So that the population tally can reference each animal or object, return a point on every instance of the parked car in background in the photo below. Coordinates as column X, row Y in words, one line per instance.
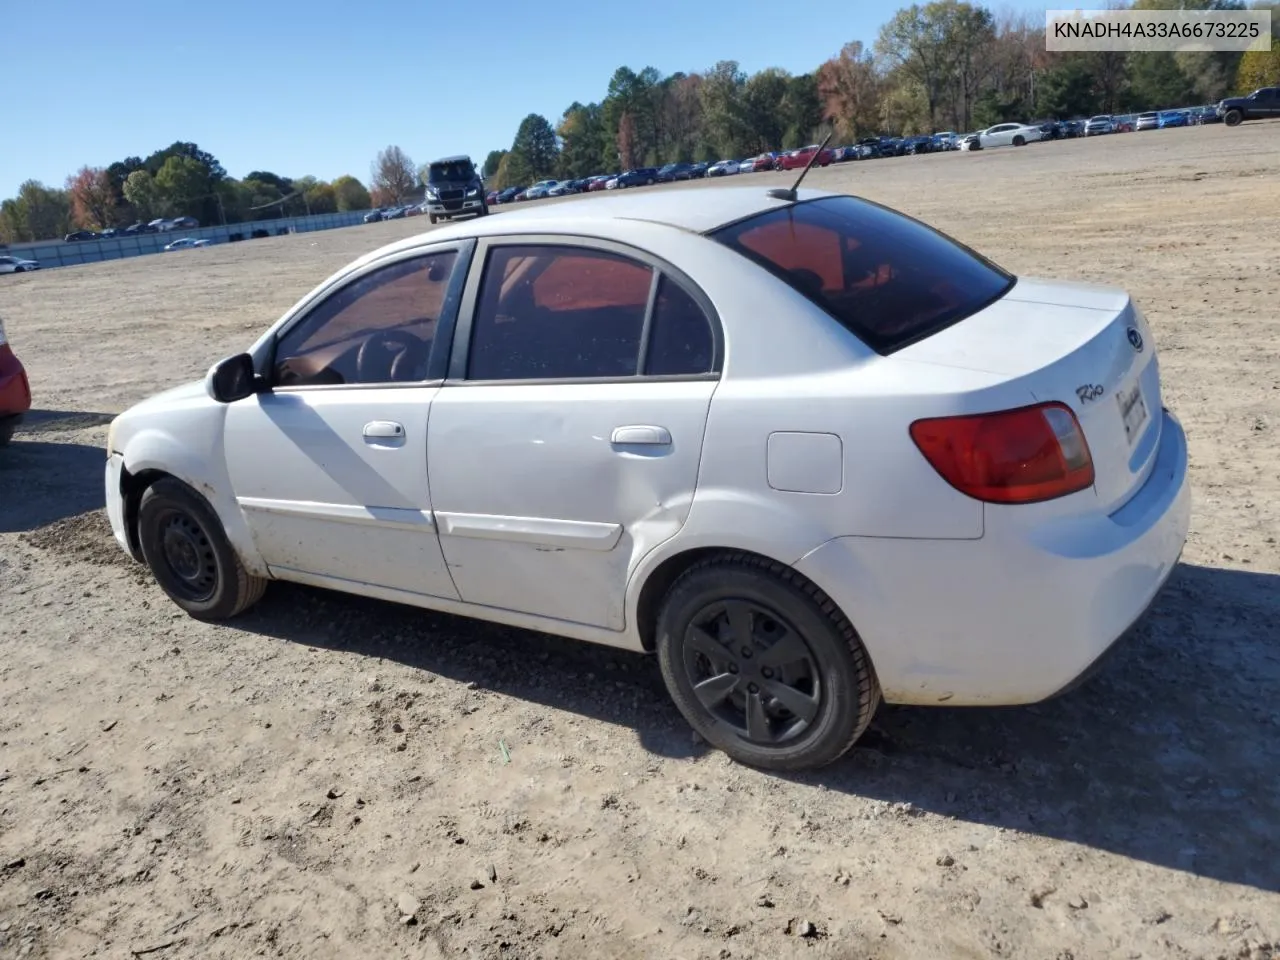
column 10, row 264
column 184, row 223
column 947, row 140
column 1072, row 128
column 388, row 438
column 971, row 142
column 186, row 243
column 797, row 159
column 80, row 235
column 1262, row 104
column 1147, row 121
column 395, row 213
column 508, row 195
column 675, row 171
column 698, row 170
column 766, row 161
column 539, row 189
column 599, row 182
column 1010, row 134
column 1174, row 118
column 1103, row 123
column 639, row 177
column 15, row 390
column 373, row 216
column 723, row 168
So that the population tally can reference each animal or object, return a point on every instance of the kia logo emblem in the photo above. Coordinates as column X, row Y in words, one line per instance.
column 1135, row 339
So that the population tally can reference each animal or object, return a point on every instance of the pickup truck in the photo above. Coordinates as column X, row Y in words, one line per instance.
column 1262, row 104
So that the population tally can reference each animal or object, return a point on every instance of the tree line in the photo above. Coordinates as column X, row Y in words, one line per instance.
column 943, row 65
column 180, row 180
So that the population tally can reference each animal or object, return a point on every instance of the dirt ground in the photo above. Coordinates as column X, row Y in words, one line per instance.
column 298, row 783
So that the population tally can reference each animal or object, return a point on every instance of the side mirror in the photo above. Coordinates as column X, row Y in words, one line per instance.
column 232, row 379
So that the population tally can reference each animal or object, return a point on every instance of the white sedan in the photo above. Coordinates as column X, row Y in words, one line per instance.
column 808, row 474
column 17, row 265
column 186, row 243
column 1010, row 134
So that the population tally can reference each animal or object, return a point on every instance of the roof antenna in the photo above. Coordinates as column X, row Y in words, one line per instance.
column 782, row 193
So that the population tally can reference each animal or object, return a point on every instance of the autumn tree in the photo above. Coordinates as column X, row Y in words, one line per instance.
column 141, row 192
column 36, row 213
column 627, row 143
column 394, row 176
column 850, row 91
column 723, row 110
column 93, row 201
column 1259, row 68
column 351, row 194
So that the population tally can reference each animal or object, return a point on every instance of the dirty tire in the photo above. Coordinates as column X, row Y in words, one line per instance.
column 1232, row 118
column 784, row 604
column 184, row 545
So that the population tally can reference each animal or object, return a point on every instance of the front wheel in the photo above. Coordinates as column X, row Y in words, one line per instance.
column 763, row 665
column 1232, row 117
column 184, row 545
column 431, row 218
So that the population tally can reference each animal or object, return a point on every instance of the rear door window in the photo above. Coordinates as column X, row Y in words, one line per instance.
column 886, row 277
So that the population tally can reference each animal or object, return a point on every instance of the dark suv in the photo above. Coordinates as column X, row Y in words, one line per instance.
column 640, row 177
column 454, row 187
column 1262, row 104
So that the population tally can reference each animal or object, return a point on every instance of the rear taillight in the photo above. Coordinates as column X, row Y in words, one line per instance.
column 1012, row 456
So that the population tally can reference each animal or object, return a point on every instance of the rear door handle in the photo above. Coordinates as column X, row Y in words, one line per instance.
column 640, row 434
column 383, row 430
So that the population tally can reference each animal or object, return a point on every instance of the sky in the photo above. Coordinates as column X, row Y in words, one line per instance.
column 318, row 87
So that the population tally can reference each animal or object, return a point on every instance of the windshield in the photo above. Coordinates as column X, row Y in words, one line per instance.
column 454, row 171
column 886, row 277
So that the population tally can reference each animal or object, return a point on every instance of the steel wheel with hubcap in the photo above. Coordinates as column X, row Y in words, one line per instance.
column 763, row 665
column 184, row 544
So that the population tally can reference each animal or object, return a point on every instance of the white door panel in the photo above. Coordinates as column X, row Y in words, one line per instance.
column 540, row 510
column 334, row 483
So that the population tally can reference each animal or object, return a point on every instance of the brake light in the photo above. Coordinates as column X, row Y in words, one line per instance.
column 1011, row 456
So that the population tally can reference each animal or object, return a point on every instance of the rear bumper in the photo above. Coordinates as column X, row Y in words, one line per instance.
column 15, row 390
column 1016, row 616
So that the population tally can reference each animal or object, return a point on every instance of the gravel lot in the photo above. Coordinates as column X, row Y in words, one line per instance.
column 295, row 784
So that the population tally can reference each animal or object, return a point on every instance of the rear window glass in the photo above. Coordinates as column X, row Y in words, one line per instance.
column 888, row 278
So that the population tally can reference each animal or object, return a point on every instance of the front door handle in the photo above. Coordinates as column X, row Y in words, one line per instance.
column 639, row 434
column 383, row 430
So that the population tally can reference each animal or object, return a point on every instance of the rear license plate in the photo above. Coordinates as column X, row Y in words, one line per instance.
column 1133, row 411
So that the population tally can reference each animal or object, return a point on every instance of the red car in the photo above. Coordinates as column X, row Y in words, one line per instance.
column 797, row 159
column 15, row 392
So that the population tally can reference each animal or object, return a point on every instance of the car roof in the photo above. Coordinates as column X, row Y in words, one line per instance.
column 694, row 210
column 459, row 157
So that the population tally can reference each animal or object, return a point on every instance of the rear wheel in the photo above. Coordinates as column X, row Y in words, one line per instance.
column 184, row 545
column 763, row 665
column 1232, row 117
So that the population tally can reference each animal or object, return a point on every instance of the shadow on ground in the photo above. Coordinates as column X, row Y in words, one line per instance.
column 1167, row 756
column 45, row 478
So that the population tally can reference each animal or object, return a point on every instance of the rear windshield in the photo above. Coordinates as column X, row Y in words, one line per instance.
column 888, row 278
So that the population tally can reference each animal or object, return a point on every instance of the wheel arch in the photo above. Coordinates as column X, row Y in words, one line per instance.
column 155, row 454
column 659, row 580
